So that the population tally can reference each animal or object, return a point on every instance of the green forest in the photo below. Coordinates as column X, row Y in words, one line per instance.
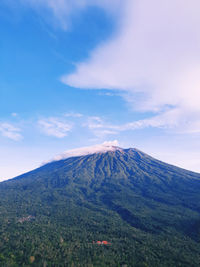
column 148, row 212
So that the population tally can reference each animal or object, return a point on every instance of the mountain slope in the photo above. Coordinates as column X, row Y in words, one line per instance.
column 148, row 210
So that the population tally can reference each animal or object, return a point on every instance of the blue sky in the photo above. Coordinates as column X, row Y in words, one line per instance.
column 79, row 74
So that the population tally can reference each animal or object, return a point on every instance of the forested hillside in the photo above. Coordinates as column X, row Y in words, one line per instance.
column 147, row 210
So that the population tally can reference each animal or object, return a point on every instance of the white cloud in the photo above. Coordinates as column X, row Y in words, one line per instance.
column 55, row 127
column 175, row 119
column 154, row 60
column 100, row 148
column 166, row 120
column 10, row 131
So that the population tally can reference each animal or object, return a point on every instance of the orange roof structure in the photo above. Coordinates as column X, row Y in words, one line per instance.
column 104, row 242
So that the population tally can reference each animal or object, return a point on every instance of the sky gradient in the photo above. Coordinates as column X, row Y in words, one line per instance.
column 79, row 74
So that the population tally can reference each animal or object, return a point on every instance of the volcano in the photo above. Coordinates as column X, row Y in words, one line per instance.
column 148, row 211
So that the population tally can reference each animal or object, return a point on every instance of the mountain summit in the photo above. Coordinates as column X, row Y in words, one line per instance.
column 146, row 210
column 101, row 148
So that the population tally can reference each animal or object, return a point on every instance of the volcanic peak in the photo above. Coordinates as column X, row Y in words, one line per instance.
column 100, row 148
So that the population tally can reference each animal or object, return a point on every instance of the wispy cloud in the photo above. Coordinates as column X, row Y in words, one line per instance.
column 60, row 11
column 55, row 127
column 73, row 115
column 14, row 114
column 174, row 119
column 10, row 131
column 154, row 60
column 100, row 148
column 99, row 127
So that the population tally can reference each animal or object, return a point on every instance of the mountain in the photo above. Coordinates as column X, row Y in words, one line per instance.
column 148, row 212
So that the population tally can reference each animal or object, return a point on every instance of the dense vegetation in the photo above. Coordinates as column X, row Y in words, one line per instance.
column 148, row 210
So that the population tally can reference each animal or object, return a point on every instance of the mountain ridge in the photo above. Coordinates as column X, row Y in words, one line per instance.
column 148, row 210
column 116, row 148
